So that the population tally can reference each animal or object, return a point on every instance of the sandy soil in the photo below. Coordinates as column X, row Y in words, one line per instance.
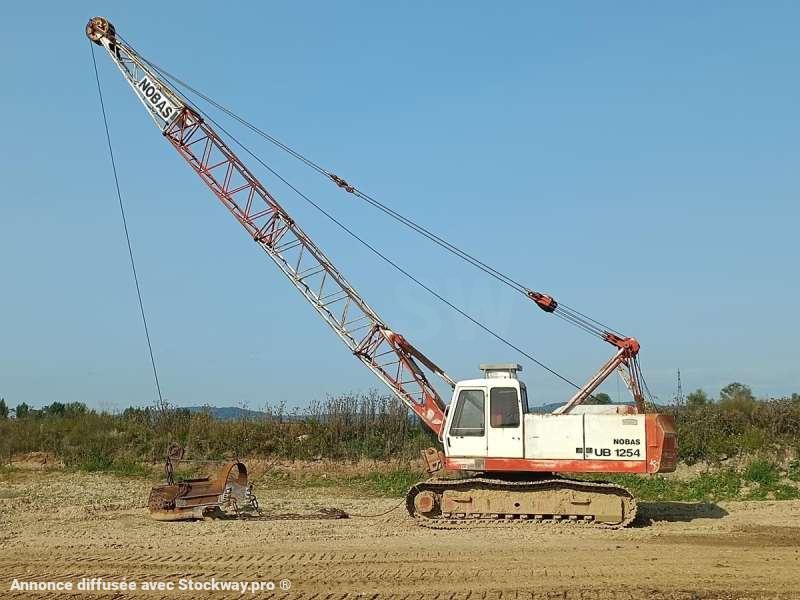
column 56, row 526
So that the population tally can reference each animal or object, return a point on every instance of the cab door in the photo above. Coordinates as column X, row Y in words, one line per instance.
column 505, row 439
column 466, row 433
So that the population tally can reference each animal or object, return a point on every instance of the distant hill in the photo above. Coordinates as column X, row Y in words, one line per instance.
column 234, row 413
column 227, row 413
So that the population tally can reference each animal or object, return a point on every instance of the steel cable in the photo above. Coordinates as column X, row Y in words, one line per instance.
column 127, row 233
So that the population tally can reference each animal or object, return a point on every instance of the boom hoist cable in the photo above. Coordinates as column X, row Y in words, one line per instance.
column 544, row 301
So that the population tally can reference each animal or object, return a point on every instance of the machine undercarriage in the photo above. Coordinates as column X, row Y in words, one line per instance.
column 484, row 498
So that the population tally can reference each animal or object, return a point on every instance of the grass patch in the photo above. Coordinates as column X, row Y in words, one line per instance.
column 759, row 482
column 391, row 484
column 129, row 469
column 101, row 463
column 794, row 470
column 722, row 485
column 761, row 471
column 96, row 462
column 786, row 492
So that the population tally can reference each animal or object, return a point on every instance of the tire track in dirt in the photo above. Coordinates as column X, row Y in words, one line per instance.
column 382, row 572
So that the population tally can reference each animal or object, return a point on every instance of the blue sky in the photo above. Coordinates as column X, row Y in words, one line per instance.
column 639, row 162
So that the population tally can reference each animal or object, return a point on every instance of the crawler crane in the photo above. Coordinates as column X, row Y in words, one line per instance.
column 512, row 461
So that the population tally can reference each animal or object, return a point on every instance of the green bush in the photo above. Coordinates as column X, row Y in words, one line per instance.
column 713, row 432
column 761, row 471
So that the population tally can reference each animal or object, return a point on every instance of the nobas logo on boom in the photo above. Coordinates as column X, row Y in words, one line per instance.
column 156, row 99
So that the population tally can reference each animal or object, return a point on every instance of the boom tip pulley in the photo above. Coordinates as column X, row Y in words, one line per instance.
column 98, row 28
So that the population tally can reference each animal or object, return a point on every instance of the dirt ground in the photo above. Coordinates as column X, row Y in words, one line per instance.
column 57, row 526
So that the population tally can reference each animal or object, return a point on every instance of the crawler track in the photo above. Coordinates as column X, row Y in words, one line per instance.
column 478, row 485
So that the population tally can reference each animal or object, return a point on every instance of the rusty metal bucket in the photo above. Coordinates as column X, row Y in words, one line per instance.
column 227, row 490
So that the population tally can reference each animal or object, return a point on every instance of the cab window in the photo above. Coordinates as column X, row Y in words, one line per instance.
column 504, row 407
column 469, row 416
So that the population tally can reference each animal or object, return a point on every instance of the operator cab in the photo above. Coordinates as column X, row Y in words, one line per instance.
column 468, row 431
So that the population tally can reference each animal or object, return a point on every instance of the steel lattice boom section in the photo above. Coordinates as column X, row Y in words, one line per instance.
column 384, row 352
